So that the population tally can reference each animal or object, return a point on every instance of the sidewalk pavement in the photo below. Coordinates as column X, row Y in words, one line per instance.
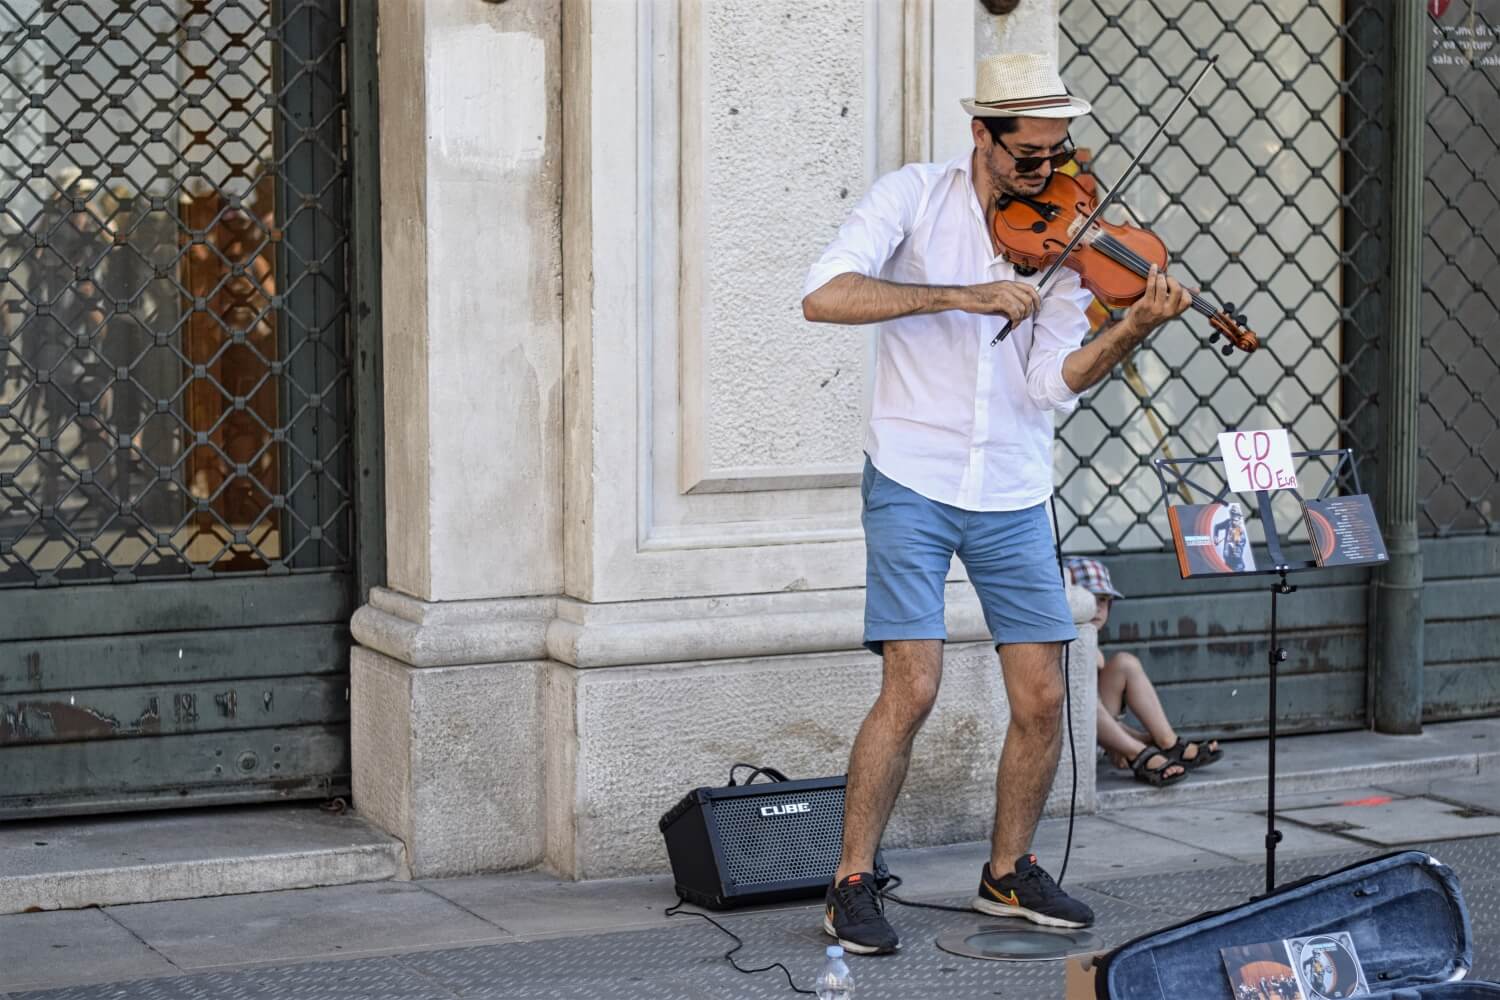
column 533, row 936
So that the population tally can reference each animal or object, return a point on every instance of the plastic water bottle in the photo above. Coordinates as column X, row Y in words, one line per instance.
column 835, row 981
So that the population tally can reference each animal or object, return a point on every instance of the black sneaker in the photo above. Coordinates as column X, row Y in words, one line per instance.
column 853, row 913
column 1030, row 893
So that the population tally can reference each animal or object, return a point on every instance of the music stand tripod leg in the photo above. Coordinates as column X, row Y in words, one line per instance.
column 1276, row 657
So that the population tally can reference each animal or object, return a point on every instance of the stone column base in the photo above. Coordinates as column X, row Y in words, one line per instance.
column 448, row 759
column 625, row 745
column 488, row 766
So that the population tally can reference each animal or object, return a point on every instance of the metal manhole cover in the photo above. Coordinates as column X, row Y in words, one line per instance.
column 1013, row 941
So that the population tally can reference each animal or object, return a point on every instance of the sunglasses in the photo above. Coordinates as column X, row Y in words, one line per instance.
column 1030, row 164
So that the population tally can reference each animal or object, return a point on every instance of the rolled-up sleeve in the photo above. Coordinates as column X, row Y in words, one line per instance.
column 871, row 234
column 1058, row 331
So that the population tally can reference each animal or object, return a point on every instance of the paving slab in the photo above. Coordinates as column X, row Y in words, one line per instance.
column 1225, row 831
column 1480, row 791
column 1319, row 762
column 39, row 950
column 366, row 979
column 1101, row 849
column 683, row 959
column 279, row 927
column 1365, row 795
column 143, row 857
column 661, row 962
column 1397, row 822
column 535, row 904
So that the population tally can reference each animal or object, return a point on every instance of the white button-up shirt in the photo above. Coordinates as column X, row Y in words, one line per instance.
column 953, row 418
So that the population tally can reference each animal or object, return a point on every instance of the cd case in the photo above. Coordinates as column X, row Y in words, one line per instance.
column 1320, row 967
column 1211, row 539
column 1344, row 531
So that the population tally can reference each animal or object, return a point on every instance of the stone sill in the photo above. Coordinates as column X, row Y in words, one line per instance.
column 457, row 633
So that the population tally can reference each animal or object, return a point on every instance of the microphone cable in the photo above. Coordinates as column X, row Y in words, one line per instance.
column 1067, row 700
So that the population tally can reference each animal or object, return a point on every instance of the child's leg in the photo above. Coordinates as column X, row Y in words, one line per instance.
column 1124, row 671
column 1139, row 694
column 1114, row 738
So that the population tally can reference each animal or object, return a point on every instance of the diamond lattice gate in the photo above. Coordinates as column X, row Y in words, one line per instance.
column 1458, row 446
column 177, row 517
column 1270, row 190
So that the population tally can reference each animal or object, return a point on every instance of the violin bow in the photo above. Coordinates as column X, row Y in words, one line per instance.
column 1109, row 196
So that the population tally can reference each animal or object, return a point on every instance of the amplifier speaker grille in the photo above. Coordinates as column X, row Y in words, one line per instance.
column 790, row 846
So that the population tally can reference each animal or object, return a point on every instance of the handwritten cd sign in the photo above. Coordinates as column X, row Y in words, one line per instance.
column 1258, row 460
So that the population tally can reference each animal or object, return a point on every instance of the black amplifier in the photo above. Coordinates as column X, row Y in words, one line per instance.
column 757, row 843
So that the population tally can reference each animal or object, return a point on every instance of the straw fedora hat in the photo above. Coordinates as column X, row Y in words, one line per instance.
column 1023, row 85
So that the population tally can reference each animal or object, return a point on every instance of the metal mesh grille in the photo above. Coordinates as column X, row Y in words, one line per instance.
column 173, row 298
column 1250, row 191
column 1459, row 429
column 794, row 846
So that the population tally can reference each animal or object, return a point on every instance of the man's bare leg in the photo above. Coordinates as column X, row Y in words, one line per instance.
column 913, row 669
column 1033, row 745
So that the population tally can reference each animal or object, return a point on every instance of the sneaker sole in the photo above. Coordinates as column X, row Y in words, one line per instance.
column 995, row 909
column 854, row 947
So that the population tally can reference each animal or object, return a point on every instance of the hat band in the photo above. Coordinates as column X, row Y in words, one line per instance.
column 1028, row 103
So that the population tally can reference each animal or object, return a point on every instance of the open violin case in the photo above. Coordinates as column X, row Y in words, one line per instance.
column 1404, row 912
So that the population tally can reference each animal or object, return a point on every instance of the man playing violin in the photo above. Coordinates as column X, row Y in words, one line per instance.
column 959, row 461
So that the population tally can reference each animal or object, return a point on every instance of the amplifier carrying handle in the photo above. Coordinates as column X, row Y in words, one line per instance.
column 769, row 772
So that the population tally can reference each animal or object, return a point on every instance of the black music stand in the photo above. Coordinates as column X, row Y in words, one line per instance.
column 1344, row 470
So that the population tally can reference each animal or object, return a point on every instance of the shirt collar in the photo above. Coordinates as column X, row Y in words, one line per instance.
column 963, row 166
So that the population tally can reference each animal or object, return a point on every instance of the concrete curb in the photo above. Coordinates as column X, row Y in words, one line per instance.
column 1202, row 787
column 64, row 890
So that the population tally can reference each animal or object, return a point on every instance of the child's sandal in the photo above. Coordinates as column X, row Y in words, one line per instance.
column 1157, row 777
column 1205, row 756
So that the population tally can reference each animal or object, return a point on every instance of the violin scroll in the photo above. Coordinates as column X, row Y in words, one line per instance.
column 1232, row 327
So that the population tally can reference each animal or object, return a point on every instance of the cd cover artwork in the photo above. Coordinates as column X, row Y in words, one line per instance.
column 1211, row 539
column 1327, row 967
column 1344, row 531
column 1261, row 972
column 1321, row 967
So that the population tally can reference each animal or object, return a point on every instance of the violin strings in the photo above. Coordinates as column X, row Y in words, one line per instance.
column 1122, row 254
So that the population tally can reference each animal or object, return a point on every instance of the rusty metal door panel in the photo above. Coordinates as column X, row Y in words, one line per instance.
column 66, row 612
column 29, row 667
column 121, row 712
column 1461, row 644
column 149, row 720
column 199, row 769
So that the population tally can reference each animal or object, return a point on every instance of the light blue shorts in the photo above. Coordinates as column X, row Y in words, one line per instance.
column 909, row 544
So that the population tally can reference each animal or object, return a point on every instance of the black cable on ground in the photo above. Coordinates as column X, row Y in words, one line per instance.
column 677, row 910
column 1067, row 701
column 895, row 883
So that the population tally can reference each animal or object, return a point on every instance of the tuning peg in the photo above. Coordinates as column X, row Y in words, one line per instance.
column 1229, row 308
column 1213, row 337
column 1227, row 350
column 1242, row 319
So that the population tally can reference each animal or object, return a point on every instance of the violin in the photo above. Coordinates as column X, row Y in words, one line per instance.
column 1111, row 260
